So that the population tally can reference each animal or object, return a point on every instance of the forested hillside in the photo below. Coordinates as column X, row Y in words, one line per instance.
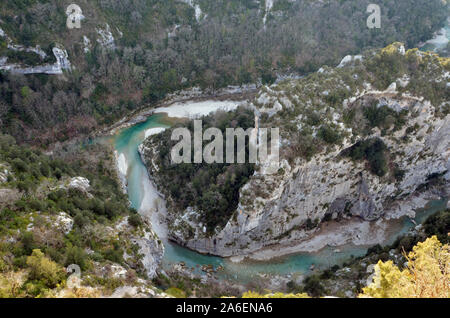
column 214, row 188
column 55, row 212
column 128, row 53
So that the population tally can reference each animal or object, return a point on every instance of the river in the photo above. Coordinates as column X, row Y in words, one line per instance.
column 143, row 197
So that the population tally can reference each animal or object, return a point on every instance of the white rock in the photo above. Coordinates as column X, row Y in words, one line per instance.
column 80, row 183
column 154, row 131
column 106, row 38
column 122, row 164
column 4, row 172
column 349, row 59
column 198, row 10
column 392, row 87
column 62, row 64
column 65, row 222
column 87, row 44
column 197, row 109
column 62, row 58
column 118, row 271
column 152, row 252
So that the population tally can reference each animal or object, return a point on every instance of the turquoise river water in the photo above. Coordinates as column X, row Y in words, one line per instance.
column 126, row 142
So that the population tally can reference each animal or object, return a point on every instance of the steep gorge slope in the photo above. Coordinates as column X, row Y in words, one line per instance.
column 361, row 144
column 64, row 212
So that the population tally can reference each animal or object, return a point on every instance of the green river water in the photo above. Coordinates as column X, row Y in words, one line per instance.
column 127, row 141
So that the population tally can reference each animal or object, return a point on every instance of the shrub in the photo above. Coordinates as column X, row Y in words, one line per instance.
column 44, row 270
column 439, row 225
column 135, row 220
column 313, row 286
column 76, row 255
column 426, row 275
column 373, row 150
column 328, row 134
column 176, row 292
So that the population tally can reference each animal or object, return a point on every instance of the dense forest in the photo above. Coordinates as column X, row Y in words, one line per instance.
column 210, row 189
column 163, row 46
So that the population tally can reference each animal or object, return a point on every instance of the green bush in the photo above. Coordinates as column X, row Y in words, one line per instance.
column 329, row 134
column 135, row 220
column 313, row 286
column 374, row 151
column 44, row 270
column 76, row 255
column 439, row 225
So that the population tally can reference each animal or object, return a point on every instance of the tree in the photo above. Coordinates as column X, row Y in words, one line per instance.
column 45, row 270
column 427, row 274
column 11, row 284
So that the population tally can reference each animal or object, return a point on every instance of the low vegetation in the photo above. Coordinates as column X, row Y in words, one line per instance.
column 427, row 274
column 37, row 240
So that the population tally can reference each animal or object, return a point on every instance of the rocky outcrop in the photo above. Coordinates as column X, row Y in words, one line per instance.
column 62, row 64
column 292, row 206
column 4, row 173
column 196, row 7
column 106, row 39
column 80, row 183
column 61, row 223
column 327, row 185
column 64, row 222
column 152, row 250
column 62, row 59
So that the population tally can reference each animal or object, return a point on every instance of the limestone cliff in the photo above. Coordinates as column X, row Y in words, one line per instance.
column 328, row 184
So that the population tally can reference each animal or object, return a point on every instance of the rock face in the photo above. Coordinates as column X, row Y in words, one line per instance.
column 196, row 6
column 152, row 250
column 64, row 222
column 62, row 60
column 364, row 205
column 60, row 223
column 62, row 64
column 4, row 173
column 286, row 208
column 349, row 59
column 327, row 185
column 80, row 183
column 106, row 39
